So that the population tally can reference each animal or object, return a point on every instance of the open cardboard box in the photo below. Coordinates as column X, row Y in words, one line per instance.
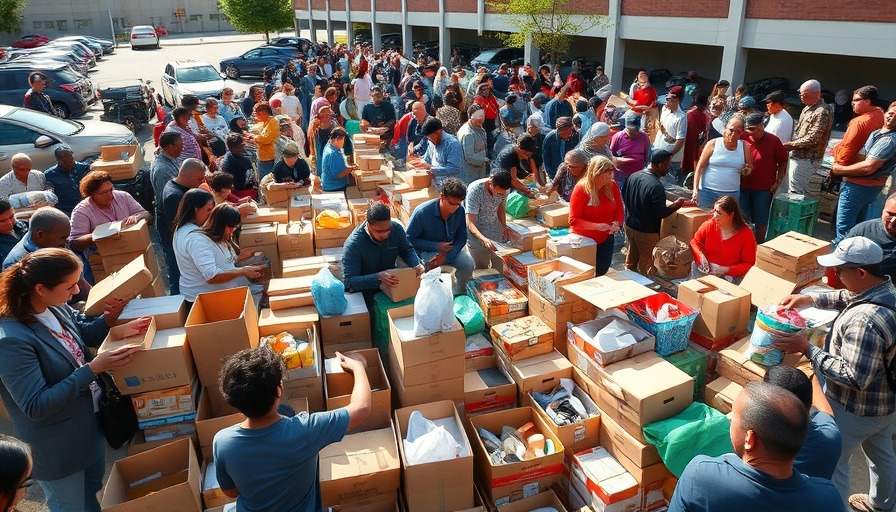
column 579, row 435
column 541, row 277
column 164, row 478
column 442, row 485
column 488, row 390
column 644, row 341
column 362, row 465
column 540, row 373
column 338, row 386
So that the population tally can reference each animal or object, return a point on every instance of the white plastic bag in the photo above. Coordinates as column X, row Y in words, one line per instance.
column 434, row 304
column 427, row 442
column 33, row 199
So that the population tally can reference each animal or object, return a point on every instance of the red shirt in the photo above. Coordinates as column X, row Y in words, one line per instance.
column 489, row 105
column 583, row 216
column 765, row 154
column 643, row 97
column 738, row 253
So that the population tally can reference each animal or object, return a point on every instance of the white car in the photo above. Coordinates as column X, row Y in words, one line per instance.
column 144, row 35
column 195, row 77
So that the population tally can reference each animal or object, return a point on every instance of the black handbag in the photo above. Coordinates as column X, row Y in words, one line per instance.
column 117, row 415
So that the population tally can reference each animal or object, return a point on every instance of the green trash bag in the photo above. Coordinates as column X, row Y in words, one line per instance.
column 517, row 205
column 697, row 430
column 469, row 314
column 352, row 127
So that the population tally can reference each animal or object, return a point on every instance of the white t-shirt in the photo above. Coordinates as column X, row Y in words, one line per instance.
column 200, row 259
column 781, row 125
column 362, row 88
column 217, row 126
column 676, row 125
column 291, row 104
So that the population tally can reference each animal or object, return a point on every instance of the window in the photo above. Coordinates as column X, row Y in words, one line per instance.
column 12, row 134
column 62, row 24
column 215, row 17
column 83, row 23
column 38, row 24
column 49, row 24
column 195, row 17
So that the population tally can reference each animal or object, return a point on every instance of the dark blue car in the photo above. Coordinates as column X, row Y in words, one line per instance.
column 256, row 60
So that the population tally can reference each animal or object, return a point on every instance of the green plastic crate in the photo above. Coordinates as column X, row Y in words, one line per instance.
column 792, row 212
column 381, row 305
column 692, row 362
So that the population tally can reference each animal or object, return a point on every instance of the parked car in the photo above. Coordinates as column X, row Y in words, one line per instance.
column 108, row 45
column 37, row 135
column 57, row 54
column 299, row 43
column 144, row 36
column 255, row 61
column 85, row 53
column 30, row 41
column 492, row 59
column 195, row 77
column 94, row 46
column 69, row 93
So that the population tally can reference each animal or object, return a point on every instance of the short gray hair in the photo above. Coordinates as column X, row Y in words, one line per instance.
column 811, row 85
column 46, row 218
column 191, row 165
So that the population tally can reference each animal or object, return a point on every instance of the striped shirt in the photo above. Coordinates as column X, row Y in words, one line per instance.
column 862, row 341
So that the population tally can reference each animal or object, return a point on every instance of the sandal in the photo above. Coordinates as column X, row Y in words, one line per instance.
column 862, row 503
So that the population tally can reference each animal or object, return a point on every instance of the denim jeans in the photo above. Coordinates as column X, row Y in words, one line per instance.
column 874, row 434
column 173, row 269
column 852, row 206
column 76, row 491
column 756, row 205
column 604, row 256
column 707, row 197
column 265, row 167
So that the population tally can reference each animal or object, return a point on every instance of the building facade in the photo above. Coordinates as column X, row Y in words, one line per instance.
column 842, row 43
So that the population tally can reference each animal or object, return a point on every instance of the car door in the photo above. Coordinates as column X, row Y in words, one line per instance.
column 15, row 138
column 270, row 58
column 9, row 94
column 251, row 63
column 168, row 84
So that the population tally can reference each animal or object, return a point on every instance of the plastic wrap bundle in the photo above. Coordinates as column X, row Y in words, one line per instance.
column 33, row 199
column 331, row 219
column 434, row 304
column 427, row 442
column 469, row 314
column 328, row 293
column 772, row 322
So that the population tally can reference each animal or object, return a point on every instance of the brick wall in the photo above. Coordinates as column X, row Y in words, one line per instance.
column 706, row 9
column 388, row 5
column 357, row 5
column 319, row 5
column 462, row 5
column 825, row 10
column 589, row 6
column 424, row 5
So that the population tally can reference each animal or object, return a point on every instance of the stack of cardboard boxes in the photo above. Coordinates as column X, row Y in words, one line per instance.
column 118, row 245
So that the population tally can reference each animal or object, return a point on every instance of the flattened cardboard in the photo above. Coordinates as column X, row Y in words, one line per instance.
column 362, row 465
column 608, row 293
column 123, row 285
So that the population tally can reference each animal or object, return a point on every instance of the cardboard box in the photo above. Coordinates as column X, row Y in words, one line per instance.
column 721, row 394
column 550, row 277
column 352, row 326
column 618, row 440
column 497, row 298
column 684, row 223
column 169, row 312
column 115, row 262
column 555, row 215
column 308, row 266
column 300, row 208
column 527, row 235
column 577, row 436
column 338, row 386
column 278, row 194
column 413, row 199
column 637, row 391
column 220, row 324
column 366, row 139
column 766, row 288
column 488, row 390
column 212, row 495
column 608, row 293
column 290, row 285
column 259, row 234
column 417, row 180
column 371, row 162
column 291, row 300
column 113, row 238
column 212, row 416
column 294, row 319
column 266, row 215
column 165, row 361
column 544, row 500
column 441, row 386
column 558, row 316
column 164, row 406
column 442, row 485
column 139, row 444
column 597, row 474
column 584, row 337
column 792, row 256
column 540, row 373
column 735, row 365
column 123, row 285
column 269, row 251
column 577, row 247
column 523, row 338
column 411, row 350
column 155, row 289
column 362, row 465
column 119, row 169
column 505, row 483
column 164, row 478
column 516, row 268
column 408, row 284
column 724, row 308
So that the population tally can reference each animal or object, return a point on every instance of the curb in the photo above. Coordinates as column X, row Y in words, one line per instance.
column 213, row 41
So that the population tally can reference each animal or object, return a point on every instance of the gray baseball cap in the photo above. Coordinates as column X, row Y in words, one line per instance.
column 857, row 250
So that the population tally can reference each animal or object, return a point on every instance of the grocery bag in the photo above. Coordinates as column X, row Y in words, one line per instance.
column 517, row 205
column 433, row 311
column 469, row 314
column 697, row 430
column 328, row 293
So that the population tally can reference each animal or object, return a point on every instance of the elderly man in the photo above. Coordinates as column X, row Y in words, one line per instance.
column 417, row 142
column 673, row 128
column 557, row 143
column 864, row 159
column 444, row 155
column 65, row 177
column 857, row 366
column 474, row 142
column 378, row 116
column 810, row 138
column 48, row 227
column 767, row 430
column 22, row 178
column 881, row 231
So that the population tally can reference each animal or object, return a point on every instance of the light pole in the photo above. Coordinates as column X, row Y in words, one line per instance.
column 111, row 25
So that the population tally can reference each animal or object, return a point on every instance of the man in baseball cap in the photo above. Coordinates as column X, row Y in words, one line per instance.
column 857, row 366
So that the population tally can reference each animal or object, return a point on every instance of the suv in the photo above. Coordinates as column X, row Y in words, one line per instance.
column 69, row 93
column 256, row 60
column 195, row 77
column 492, row 59
column 143, row 36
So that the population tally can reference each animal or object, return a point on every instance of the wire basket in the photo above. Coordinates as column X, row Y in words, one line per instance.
column 671, row 336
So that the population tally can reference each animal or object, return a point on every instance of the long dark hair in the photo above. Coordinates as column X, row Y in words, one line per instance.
column 193, row 199
column 729, row 205
column 48, row 267
column 223, row 216
column 14, row 456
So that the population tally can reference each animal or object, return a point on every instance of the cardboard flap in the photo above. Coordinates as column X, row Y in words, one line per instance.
column 116, row 338
column 765, row 288
column 608, row 293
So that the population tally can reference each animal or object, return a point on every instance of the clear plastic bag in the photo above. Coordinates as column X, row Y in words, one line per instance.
column 328, row 293
column 434, row 304
column 33, row 199
column 427, row 442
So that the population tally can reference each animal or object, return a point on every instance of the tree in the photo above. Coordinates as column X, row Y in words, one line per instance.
column 258, row 15
column 11, row 15
column 549, row 23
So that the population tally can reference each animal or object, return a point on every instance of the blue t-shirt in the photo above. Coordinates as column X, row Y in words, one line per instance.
column 276, row 467
column 332, row 163
column 821, row 451
column 729, row 484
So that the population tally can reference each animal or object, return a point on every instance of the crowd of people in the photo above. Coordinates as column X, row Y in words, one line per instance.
column 483, row 138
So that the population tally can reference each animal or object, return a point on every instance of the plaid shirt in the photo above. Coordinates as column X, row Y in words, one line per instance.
column 861, row 342
column 810, row 137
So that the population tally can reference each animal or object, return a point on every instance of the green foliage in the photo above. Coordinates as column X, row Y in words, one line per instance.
column 11, row 15
column 256, row 16
column 549, row 23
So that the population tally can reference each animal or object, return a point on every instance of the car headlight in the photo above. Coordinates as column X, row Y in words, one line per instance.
column 187, row 91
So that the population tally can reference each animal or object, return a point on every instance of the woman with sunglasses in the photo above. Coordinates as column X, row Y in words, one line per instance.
column 15, row 472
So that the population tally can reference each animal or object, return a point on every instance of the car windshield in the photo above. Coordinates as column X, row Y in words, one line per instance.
column 45, row 122
column 487, row 55
column 197, row 74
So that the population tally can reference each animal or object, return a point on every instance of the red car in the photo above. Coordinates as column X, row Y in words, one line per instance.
column 31, row 41
column 161, row 31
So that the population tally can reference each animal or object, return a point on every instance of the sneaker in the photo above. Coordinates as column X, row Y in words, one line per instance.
column 862, row 503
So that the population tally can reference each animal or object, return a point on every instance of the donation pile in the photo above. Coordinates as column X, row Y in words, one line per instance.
column 295, row 354
column 561, row 406
column 515, row 444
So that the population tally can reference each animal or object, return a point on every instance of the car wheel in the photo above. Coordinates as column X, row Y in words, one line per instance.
column 232, row 72
column 62, row 110
column 131, row 123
